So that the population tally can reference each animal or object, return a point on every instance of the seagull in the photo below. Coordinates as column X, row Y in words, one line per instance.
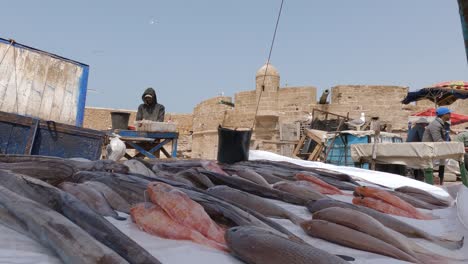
column 357, row 123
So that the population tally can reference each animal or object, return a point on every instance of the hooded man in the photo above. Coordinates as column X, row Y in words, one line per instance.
column 150, row 109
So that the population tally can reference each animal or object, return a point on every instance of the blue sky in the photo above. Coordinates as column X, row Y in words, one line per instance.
column 190, row 51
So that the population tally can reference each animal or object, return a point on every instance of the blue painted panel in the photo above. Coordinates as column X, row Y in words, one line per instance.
column 340, row 153
column 66, row 145
column 18, row 140
column 13, row 138
column 157, row 135
column 51, row 139
column 82, row 97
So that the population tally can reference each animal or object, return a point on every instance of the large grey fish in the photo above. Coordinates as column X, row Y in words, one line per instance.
column 268, row 176
column 51, row 171
column 416, row 202
column 196, row 177
column 253, row 202
column 137, row 167
column 424, row 196
column 348, row 237
column 276, row 174
column 114, row 199
column 98, row 165
column 71, row 243
column 248, row 174
column 342, row 185
column 254, row 188
column 298, row 190
column 79, row 213
column 258, row 246
column 367, row 224
column 386, row 220
column 91, row 197
column 294, row 168
column 173, row 176
column 174, row 166
column 132, row 187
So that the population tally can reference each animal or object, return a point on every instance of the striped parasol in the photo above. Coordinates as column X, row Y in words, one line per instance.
column 445, row 93
column 457, row 85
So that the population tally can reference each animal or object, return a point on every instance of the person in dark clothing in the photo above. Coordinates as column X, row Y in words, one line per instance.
column 416, row 133
column 150, row 109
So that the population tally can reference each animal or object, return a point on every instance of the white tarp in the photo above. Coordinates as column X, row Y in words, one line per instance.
column 415, row 155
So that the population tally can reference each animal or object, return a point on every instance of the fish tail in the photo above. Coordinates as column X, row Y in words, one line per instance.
column 449, row 244
column 120, row 218
column 295, row 219
column 431, row 259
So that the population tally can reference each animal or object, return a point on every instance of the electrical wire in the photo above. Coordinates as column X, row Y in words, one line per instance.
column 268, row 62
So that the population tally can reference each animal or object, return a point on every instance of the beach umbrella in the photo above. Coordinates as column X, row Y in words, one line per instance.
column 445, row 93
column 455, row 119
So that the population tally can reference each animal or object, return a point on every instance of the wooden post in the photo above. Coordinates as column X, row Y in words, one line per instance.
column 375, row 125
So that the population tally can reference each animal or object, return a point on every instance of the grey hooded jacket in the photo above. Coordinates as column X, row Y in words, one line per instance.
column 153, row 112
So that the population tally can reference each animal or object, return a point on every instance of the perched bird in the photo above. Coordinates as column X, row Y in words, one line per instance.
column 357, row 123
column 116, row 148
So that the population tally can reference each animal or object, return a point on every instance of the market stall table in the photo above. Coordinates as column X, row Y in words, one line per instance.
column 418, row 155
column 149, row 144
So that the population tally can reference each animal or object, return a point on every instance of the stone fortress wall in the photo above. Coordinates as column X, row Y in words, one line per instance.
column 281, row 109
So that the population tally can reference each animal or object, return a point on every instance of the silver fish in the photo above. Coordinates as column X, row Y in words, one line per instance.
column 298, row 190
column 71, row 243
column 348, row 237
column 114, row 199
column 388, row 221
column 424, row 196
column 258, row 246
column 91, row 197
column 253, row 202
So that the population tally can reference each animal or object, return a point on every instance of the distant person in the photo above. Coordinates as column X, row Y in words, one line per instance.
column 417, row 131
column 415, row 134
column 150, row 109
column 437, row 131
column 463, row 137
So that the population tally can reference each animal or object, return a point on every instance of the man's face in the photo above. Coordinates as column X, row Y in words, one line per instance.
column 446, row 117
column 148, row 100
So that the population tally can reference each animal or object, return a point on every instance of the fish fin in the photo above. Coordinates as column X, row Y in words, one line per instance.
column 120, row 218
column 437, row 259
column 450, row 244
column 347, row 258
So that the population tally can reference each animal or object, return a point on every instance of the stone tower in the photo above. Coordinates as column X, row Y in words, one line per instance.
column 267, row 82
